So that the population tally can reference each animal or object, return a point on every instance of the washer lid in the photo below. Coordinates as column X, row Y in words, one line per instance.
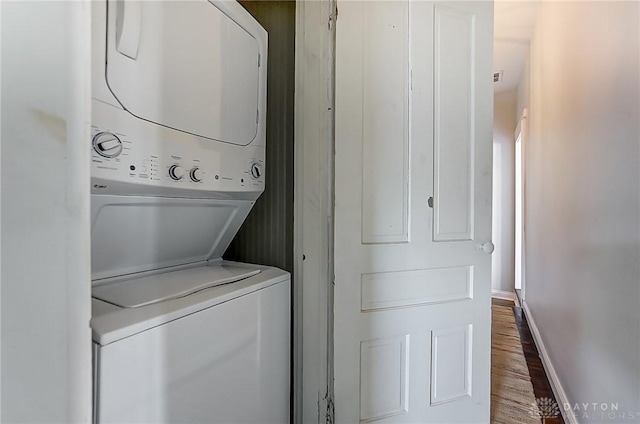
column 170, row 285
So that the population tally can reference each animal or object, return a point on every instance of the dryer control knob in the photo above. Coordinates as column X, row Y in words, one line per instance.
column 196, row 175
column 256, row 170
column 107, row 144
column 176, row 172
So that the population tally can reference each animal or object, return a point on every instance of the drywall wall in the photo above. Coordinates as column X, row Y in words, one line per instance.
column 583, row 201
column 45, row 307
column 504, row 126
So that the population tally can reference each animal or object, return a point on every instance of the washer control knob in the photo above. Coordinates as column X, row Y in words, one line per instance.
column 196, row 175
column 107, row 144
column 256, row 170
column 176, row 172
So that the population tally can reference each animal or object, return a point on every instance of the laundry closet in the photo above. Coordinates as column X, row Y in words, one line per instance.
column 186, row 139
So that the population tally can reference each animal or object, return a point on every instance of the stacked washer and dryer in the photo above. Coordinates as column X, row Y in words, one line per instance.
column 178, row 121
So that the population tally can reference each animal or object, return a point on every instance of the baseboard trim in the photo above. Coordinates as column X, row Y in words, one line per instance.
column 554, row 380
column 501, row 294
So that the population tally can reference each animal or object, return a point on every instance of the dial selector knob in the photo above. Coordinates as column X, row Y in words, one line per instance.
column 196, row 175
column 176, row 172
column 256, row 170
column 107, row 144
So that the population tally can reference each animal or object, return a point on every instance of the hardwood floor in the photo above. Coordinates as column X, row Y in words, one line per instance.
column 502, row 302
column 539, row 380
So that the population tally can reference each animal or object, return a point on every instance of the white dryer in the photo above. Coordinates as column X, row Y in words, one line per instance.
column 178, row 122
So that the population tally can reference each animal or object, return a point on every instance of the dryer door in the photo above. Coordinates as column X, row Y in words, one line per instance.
column 193, row 66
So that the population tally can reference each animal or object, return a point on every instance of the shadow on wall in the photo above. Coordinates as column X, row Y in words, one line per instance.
column 266, row 237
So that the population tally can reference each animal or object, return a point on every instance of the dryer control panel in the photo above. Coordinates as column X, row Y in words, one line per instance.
column 149, row 159
column 174, row 122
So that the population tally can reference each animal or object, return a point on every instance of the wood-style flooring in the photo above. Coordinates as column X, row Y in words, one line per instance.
column 539, row 380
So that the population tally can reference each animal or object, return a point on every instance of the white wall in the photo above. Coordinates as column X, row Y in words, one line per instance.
column 522, row 99
column 583, row 199
column 504, row 126
column 45, row 277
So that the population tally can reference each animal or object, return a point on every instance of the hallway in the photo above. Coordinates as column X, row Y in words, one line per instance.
column 566, row 198
column 520, row 390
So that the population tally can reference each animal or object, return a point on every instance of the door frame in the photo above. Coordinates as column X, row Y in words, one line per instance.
column 521, row 133
column 312, row 292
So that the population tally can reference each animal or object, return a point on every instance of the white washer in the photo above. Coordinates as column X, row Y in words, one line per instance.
column 219, row 355
column 178, row 119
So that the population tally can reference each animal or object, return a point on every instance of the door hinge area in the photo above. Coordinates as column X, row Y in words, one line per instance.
column 331, row 411
column 327, row 409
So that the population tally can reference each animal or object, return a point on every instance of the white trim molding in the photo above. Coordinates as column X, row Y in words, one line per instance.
column 502, row 294
column 554, row 380
column 313, row 212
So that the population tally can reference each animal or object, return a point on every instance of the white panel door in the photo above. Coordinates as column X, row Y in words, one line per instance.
column 414, row 104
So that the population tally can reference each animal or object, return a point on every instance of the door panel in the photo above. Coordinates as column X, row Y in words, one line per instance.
column 385, row 115
column 453, row 124
column 412, row 291
column 451, row 364
column 385, row 290
column 384, row 367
